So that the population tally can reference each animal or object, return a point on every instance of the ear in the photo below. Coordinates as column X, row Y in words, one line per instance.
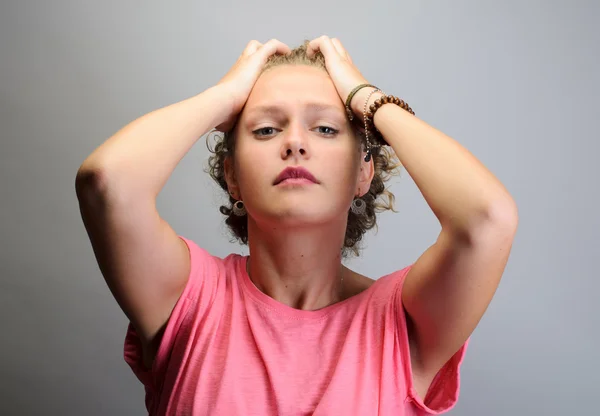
column 365, row 174
column 232, row 185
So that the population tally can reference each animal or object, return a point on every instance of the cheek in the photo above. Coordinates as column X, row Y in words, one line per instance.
column 247, row 172
column 253, row 168
column 344, row 167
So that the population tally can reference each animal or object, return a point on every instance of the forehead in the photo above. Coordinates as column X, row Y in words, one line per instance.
column 294, row 85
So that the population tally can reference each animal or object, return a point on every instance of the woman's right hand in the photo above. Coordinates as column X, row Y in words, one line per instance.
column 242, row 76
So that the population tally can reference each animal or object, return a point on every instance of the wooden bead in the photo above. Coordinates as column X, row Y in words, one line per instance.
column 385, row 100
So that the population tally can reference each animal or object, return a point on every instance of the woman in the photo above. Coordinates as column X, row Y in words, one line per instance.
column 289, row 330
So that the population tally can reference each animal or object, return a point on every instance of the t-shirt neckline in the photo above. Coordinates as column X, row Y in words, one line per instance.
column 282, row 309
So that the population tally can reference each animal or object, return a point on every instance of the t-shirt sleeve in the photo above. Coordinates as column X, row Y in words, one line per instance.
column 444, row 389
column 199, row 289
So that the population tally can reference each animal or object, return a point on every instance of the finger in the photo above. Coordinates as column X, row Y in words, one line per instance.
column 312, row 47
column 272, row 47
column 324, row 45
column 251, row 47
column 340, row 48
column 276, row 46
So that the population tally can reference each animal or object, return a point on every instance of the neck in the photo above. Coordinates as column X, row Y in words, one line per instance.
column 299, row 267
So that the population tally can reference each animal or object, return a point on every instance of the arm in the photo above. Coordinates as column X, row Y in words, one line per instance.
column 451, row 285
column 143, row 261
column 142, row 155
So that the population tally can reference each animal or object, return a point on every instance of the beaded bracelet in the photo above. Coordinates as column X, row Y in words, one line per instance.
column 366, row 121
column 369, row 115
column 385, row 100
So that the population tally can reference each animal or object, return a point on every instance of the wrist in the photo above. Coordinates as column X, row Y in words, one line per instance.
column 223, row 102
column 224, row 94
column 358, row 101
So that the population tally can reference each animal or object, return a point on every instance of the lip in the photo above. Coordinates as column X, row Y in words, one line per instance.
column 295, row 174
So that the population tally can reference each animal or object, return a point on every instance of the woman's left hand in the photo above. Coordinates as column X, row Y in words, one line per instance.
column 342, row 71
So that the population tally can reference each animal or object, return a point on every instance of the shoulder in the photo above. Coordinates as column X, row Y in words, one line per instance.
column 210, row 274
column 393, row 281
column 357, row 283
column 204, row 261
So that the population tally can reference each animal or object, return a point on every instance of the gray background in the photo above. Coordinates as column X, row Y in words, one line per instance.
column 515, row 82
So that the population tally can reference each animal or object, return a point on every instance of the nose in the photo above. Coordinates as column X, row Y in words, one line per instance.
column 295, row 144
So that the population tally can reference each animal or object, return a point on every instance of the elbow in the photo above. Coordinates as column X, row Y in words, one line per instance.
column 89, row 179
column 499, row 226
column 98, row 183
column 504, row 215
column 92, row 181
column 496, row 220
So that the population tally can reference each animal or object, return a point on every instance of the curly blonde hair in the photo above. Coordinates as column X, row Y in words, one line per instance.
column 377, row 199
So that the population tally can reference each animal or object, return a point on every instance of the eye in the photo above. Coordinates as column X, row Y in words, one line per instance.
column 328, row 131
column 264, row 131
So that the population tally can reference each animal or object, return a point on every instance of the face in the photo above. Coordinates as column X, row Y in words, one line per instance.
column 294, row 117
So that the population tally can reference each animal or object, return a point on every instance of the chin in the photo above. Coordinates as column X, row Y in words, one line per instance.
column 303, row 214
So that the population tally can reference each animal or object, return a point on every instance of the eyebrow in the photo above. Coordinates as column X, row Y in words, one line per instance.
column 273, row 109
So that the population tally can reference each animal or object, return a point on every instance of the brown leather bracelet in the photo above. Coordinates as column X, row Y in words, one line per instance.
column 351, row 95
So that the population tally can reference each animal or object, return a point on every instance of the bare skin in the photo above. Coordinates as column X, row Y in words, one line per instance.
column 296, row 232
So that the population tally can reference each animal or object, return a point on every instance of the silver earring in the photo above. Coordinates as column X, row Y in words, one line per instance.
column 239, row 209
column 358, row 206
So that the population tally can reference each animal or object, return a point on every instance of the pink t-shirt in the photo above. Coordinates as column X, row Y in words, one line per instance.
column 229, row 349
